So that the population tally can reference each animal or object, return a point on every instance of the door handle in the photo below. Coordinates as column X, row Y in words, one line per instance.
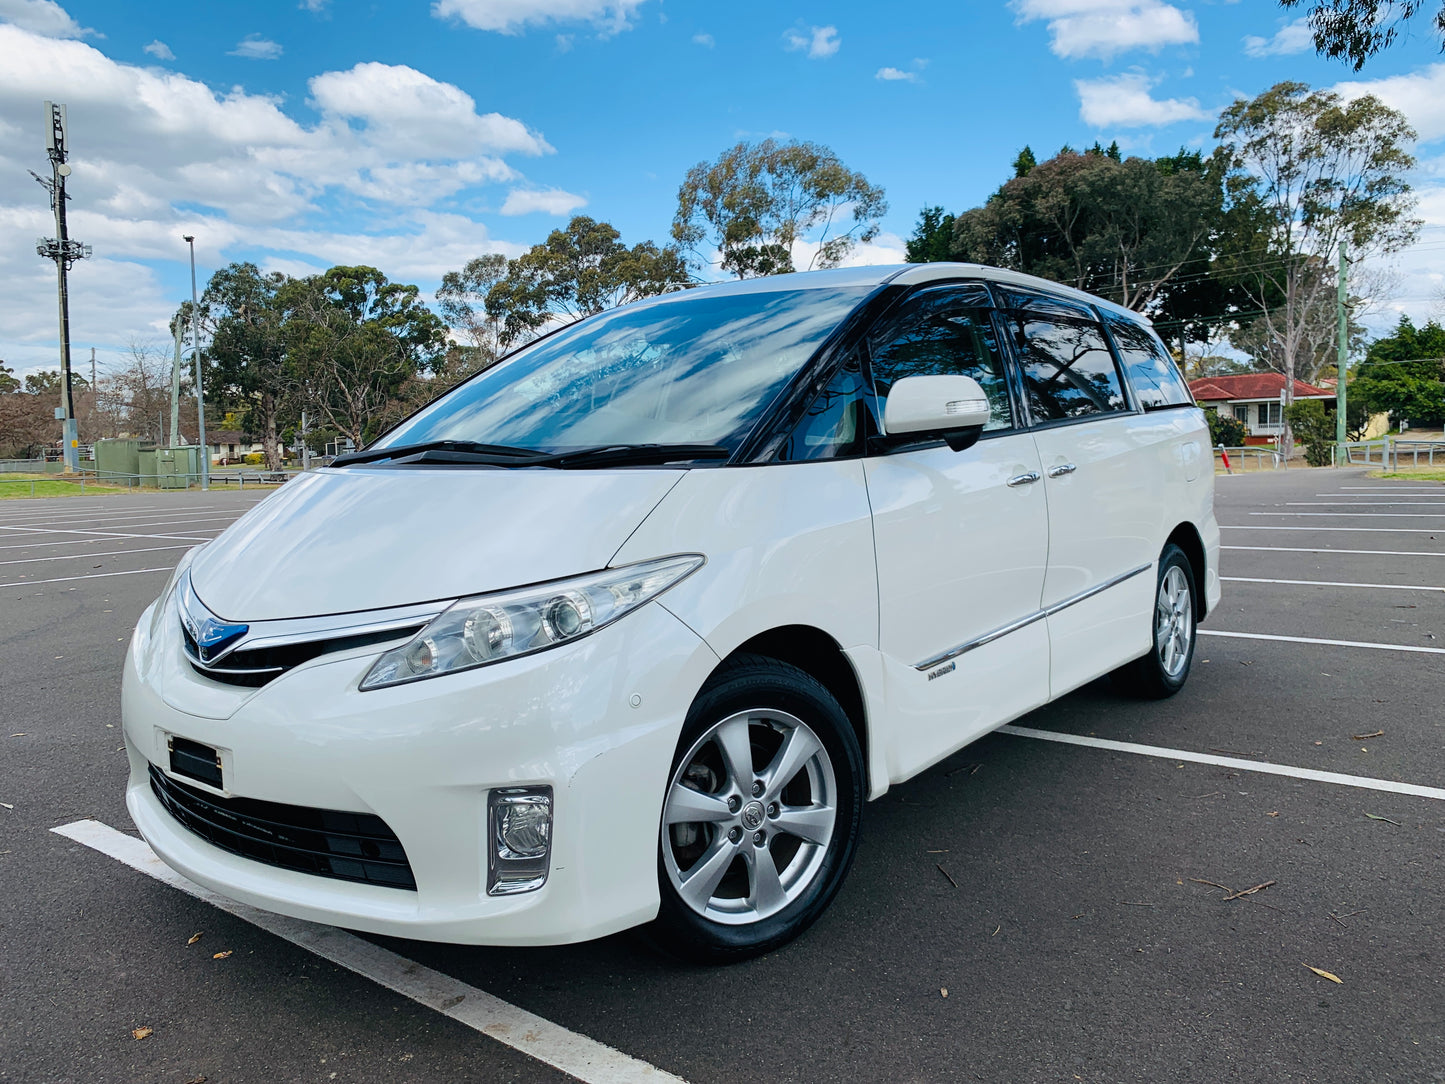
column 1062, row 469
column 1024, row 479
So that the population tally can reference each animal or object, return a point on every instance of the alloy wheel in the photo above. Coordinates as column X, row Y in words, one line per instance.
column 1174, row 622
column 748, row 817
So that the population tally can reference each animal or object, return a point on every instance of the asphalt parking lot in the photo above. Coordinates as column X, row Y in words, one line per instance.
column 1071, row 896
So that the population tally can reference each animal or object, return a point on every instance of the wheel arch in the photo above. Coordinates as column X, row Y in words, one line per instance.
column 1186, row 537
column 817, row 654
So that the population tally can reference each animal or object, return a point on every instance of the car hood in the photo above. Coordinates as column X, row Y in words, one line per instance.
column 337, row 541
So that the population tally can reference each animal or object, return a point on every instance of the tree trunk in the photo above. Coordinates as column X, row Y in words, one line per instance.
column 269, row 443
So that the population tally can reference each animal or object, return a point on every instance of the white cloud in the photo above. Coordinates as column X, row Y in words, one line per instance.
column 160, row 50
column 255, row 47
column 1295, row 37
column 512, row 16
column 316, row 7
column 551, row 201
column 157, row 154
column 818, row 41
column 1102, row 28
column 564, row 42
column 410, row 113
column 896, row 75
column 1124, row 101
column 705, row 40
column 42, row 17
column 1420, row 95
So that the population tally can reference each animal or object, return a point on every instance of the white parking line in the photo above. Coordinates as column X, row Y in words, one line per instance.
column 113, row 534
column 1362, row 515
column 102, row 528
column 1327, row 643
column 1376, row 530
column 1262, row 767
column 53, row 517
column 1333, row 583
column 1363, row 504
column 1320, row 549
column 87, row 554
column 95, row 576
column 585, row 1059
column 1390, row 489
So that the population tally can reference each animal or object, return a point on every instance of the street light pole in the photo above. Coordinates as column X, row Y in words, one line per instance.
column 1342, row 356
column 196, row 351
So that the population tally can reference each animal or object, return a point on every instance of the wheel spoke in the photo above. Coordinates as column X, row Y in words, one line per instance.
column 798, row 748
column 688, row 806
column 699, row 883
column 767, row 893
column 1168, row 651
column 813, row 824
column 736, row 746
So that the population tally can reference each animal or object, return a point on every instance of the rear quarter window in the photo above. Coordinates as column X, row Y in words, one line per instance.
column 1151, row 372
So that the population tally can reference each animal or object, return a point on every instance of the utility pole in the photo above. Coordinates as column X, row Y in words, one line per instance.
column 1342, row 356
column 180, row 332
column 64, row 252
column 196, row 353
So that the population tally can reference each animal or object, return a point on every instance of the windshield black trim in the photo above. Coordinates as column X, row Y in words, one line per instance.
column 762, row 444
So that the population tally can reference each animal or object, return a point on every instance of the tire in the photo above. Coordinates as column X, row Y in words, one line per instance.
column 726, row 896
column 1164, row 670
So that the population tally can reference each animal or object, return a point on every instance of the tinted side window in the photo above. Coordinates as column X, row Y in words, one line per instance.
column 942, row 332
column 838, row 420
column 1152, row 372
column 1068, row 371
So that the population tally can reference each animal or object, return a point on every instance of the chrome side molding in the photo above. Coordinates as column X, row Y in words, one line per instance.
column 1024, row 622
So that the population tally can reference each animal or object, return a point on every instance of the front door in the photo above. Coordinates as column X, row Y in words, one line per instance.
column 961, row 541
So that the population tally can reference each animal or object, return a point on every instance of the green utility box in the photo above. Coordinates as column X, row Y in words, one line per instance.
column 117, row 459
column 177, row 468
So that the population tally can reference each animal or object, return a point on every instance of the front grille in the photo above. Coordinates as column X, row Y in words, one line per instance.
column 255, row 668
column 326, row 842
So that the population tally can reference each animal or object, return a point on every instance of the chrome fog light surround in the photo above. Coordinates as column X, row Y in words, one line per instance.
column 519, row 839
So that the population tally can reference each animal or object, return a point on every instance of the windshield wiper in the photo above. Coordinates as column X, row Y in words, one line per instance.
column 619, row 455
column 464, row 452
column 468, row 448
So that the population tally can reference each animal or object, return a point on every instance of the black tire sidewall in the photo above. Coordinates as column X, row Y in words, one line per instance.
column 755, row 682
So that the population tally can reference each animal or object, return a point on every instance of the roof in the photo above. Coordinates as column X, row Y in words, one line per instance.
column 1251, row 386
column 907, row 274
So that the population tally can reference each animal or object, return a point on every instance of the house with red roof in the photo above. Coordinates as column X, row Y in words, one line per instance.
column 1254, row 399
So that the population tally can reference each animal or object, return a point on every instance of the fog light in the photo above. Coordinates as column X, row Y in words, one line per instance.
column 519, row 834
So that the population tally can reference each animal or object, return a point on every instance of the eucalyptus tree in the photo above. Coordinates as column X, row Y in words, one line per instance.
column 759, row 203
column 578, row 271
column 1318, row 171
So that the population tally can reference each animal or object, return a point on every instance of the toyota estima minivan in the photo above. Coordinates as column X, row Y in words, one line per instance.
column 626, row 628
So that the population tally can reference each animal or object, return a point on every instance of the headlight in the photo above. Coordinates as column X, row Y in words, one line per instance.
column 489, row 628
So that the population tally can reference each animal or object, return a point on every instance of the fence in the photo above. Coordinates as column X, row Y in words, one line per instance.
column 1249, row 457
column 115, row 479
column 1388, row 452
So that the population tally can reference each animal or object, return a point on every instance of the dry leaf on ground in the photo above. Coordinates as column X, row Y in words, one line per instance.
column 1326, row 975
column 141, row 1032
column 222, row 955
column 194, row 938
column 943, row 990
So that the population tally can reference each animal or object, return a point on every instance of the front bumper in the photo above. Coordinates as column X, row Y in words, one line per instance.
column 597, row 720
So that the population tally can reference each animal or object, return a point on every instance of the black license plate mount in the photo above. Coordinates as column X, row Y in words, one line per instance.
column 195, row 761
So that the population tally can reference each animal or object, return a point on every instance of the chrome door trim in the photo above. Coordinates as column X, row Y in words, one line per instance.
column 1024, row 622
column 1027, row 479
column 1062, row 469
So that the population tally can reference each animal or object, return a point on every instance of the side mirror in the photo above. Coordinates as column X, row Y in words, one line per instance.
column 954, row 407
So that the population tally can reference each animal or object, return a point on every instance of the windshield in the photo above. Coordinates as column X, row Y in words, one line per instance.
column 684, row 369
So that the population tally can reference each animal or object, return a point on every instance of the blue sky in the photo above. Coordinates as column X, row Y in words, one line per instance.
column 413, row 136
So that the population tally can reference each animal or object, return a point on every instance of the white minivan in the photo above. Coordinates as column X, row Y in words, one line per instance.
column 627, row 628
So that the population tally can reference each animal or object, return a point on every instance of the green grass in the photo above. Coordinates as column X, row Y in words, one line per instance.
column 1423, row 474
column 18, row 486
